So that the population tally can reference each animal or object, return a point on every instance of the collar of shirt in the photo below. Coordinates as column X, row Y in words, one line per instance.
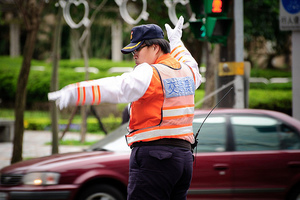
column 167, row 59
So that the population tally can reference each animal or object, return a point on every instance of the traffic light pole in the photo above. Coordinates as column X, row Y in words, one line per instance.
column 295, row 74
column 233, row 52
column 289, row 21
column 212, row 23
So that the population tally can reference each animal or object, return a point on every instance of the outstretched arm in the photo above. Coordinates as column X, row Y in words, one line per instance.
column 119, row 89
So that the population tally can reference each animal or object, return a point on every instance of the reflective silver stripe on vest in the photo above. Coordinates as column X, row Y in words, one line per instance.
column 178, row 111
column 157, row 133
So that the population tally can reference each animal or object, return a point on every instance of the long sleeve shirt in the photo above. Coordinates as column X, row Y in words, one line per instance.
column 126, row 88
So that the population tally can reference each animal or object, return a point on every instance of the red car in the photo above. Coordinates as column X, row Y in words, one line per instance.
column 241, row 154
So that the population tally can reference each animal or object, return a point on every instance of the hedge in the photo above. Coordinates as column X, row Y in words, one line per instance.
column 39, row 80
column 110, row 123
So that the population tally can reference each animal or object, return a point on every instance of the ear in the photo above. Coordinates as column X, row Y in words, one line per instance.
column 156, row 49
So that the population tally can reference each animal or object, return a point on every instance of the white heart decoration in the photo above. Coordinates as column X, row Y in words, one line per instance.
column 125, row 15
column 66, row 12
column 172, row 11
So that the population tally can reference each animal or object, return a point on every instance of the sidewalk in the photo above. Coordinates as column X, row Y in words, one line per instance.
column 34, row 145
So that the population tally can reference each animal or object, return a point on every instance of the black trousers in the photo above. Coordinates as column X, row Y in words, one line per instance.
column 159, row 173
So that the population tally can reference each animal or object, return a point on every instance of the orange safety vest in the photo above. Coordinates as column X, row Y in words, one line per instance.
column 167, row 108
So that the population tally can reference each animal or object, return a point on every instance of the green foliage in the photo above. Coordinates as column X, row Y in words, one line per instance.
column 4, row 41
column 101, row 64
column 39, row 81
column 40, row 120
column 272, row 86
column 261, row 20
column 8, row 84
column 74, row 143
column 270, row 73
column 110, row 123
column 199, row 94
column 38, row 86
column 271, row 100
column 37, row 123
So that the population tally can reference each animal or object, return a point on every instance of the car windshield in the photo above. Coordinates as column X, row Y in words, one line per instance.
column 117, row 145
column 114, row 141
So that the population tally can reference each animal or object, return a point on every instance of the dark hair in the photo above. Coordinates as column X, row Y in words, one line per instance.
column 164, row 44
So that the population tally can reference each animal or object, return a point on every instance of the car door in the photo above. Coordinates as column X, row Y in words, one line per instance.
column 212, row 172
column 259, row 165
column 290, row 146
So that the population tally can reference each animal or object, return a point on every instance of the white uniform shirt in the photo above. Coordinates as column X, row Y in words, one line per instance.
column 126, row 88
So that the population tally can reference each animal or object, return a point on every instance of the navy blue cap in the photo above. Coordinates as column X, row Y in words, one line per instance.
column 141, row 33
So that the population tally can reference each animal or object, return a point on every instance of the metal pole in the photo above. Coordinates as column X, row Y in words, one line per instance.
column 239, row 52
column 296, row 73
column 239, row 30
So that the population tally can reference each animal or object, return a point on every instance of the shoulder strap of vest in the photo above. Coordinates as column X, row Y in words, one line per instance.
column 154, row 67
column 162, row 85
column 191, row 71
column 160, row 64
column 181, row 64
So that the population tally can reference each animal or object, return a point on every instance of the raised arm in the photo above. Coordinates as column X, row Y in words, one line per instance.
column 179, row 51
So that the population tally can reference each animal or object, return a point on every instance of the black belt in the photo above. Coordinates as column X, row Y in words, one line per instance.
column 165, row 142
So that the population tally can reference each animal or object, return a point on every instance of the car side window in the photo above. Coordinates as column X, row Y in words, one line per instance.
column 212, row 137
column 259, row 133
column 289, row 139
column 255, row 133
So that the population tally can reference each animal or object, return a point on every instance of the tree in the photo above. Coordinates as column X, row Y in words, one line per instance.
column 54, row 79
column 84, row 43
column 261, row 21
column 30, row 12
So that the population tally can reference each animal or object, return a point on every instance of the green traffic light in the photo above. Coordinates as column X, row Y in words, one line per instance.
column 212, row 25
column 199, row 29
column 203, row 31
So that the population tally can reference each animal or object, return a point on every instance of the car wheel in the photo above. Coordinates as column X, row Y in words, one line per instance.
column 99, row 192
column 295, row 195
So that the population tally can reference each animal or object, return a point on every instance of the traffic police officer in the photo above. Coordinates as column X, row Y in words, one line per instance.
column 161, row 88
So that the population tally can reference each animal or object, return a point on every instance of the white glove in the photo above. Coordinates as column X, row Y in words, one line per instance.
column 174, row 35
column 63, row 98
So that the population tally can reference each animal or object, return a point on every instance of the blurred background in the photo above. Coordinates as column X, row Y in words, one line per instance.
column 33, row 64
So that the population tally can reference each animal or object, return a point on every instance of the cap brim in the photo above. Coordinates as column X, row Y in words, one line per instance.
column 131, row 47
